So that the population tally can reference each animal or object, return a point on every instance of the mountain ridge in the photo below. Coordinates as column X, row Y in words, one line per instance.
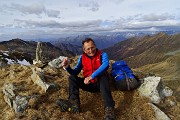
column 139, row 51
column 49, row 51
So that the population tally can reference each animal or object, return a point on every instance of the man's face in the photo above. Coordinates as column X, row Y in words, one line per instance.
column 89, row 48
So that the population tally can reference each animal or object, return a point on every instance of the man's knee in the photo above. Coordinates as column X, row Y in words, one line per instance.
column 104, row 79
column 72, row 78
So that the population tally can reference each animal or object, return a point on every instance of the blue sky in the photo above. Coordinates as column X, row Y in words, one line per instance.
column 55, row 18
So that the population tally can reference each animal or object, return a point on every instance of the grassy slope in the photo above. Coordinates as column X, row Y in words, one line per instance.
column 129, row 105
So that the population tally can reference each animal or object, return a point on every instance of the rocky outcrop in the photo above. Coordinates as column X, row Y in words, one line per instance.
column 14, row 93
column 159, row 115
column 17, row 102
column 39, row 79
column 156, row 91
column 153, row 89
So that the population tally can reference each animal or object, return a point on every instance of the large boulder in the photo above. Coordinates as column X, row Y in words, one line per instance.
column 154, row 89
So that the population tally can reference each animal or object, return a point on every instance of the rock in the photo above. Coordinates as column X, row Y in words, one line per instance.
column 39, row 79
column 8, row 90
column 40, row 64
column 57, row 63
column 18, row 103
column 166, row 91
column 3, row 64
column 154, row 89
column 52, row 87
column 159, row 115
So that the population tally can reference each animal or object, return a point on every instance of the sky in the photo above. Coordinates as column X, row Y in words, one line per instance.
column 32, row 19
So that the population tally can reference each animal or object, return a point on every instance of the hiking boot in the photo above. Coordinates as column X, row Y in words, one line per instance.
column 109, row 113
column 68, row 105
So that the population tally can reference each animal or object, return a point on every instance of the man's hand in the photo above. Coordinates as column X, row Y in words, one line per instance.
column 65, row 63
column 87, row 80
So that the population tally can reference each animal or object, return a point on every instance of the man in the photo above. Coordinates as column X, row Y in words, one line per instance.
column 94, row 64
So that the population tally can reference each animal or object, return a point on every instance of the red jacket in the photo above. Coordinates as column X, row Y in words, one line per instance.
column 91, row 64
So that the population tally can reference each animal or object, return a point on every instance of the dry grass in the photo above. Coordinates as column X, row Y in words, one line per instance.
column 129, row 105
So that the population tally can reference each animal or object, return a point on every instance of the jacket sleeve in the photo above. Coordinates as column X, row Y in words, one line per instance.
column 77, row 68
column 104, row 66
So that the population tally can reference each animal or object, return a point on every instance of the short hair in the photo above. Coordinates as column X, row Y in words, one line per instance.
column 88, row 40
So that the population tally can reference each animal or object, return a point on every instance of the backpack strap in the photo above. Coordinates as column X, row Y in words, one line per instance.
column 127, row 80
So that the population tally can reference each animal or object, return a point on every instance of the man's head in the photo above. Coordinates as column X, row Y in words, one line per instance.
column 89, row 46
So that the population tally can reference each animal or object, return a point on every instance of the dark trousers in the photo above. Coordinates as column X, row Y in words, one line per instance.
column 102, row 86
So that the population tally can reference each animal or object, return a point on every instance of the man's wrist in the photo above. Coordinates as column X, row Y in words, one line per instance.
column 65, row 67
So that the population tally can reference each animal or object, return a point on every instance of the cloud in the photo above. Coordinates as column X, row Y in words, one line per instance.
column 37, row 9
column 52, row 13
column 140, row 21
column 92, row 5
column 37, row 24
column 117, row 1
column 156, row 17
column 31, row 9
column 54, row 28
column 55, row 24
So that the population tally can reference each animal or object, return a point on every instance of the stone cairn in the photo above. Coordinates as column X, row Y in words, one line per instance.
column 38, row 73
column 39, row 61
column 39, row 52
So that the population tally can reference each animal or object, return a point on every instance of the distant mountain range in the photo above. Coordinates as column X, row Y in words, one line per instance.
column 137, row 51
column 105, row 39
column 75, row 49
column 102, row 41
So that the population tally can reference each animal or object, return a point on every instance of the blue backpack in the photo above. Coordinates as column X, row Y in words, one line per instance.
column 123, row 76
